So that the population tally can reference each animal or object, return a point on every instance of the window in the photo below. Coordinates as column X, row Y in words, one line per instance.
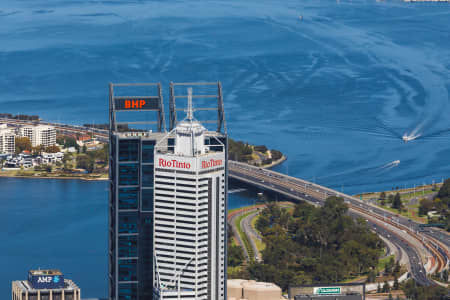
column 128, row 198
column 128, row 222
column 128, row 150
column 128, row 174
column 127, row 291
column 147, row 199
column 147, row 176
column 148, row 148
column 128, row 246
column 127, row 270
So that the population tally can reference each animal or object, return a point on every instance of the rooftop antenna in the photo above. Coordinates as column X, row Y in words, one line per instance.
column 190, row 111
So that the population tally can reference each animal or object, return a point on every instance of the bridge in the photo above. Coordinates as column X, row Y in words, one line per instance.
column 427, row 251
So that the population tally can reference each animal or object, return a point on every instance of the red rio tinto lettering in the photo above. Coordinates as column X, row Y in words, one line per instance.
column 173, row 164
column 211, row 163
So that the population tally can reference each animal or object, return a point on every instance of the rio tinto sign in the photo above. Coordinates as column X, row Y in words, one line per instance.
column 211, row 163
column 178, row 164
column 173, row 163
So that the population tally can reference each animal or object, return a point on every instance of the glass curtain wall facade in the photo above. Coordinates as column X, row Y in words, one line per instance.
column 131, row 217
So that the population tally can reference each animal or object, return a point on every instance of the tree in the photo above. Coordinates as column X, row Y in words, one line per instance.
column 235, row 255
column 389, row 266
column 66, row 161
column 276, row 154
column 378, row 288
column 445, row 275
column 84, row 149
column 396, row 285
column 391, row 198
column 22, row 144
column 397, row 204
column 386, row 287
column 425, row 206
column 383, row 196
column 85, row 162
column 52, row 149
column 38, row 150
column 60, row 140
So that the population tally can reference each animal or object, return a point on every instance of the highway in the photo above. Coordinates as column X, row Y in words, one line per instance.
column 400, row 231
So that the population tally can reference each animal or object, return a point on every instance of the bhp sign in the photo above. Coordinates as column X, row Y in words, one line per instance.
column 173, row 164
column 134, row 104
column 211, row 163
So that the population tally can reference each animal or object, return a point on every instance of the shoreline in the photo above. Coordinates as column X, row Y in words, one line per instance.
column 273, row 164
column 53, row 177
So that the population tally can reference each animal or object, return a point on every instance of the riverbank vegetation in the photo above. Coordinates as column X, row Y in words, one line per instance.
column 313, row 245
column 423, row 204
column 254, row 155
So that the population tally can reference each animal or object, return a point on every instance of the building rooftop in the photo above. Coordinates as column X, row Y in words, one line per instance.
column 40, row 126
column 45, row 272
column 25, row 286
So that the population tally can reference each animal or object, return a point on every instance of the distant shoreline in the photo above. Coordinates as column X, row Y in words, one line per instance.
column 273, row 164
column 53, row 177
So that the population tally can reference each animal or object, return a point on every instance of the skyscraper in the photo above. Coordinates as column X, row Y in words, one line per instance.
column 189, row 231
column 136, row 179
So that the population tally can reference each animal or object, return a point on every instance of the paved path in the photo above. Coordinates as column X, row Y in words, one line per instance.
column 251, row 233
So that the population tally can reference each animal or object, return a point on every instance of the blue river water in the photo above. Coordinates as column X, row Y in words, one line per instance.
column 332, row 84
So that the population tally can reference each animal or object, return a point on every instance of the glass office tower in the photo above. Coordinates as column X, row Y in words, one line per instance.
column 131, row 193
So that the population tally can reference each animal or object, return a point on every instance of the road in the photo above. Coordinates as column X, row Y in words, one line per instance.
column 251, row 234
column 401, row 231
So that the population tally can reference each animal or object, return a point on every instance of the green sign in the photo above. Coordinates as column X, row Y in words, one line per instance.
column 327, row 291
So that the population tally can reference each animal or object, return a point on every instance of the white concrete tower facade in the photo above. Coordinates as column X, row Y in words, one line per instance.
column 189, row 213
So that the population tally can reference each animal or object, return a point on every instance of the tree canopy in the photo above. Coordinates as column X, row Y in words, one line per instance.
column 22, row 144
column 314, row 245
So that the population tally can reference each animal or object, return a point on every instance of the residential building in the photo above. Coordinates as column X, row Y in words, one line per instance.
column 45, row 285
column 39, row 135
column 7, row 140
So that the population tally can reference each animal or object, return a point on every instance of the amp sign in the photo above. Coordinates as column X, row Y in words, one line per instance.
column 46, row 281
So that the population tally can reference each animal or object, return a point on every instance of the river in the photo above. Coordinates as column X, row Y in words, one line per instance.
column 332, row 84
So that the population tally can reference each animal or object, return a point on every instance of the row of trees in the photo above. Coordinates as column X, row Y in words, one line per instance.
column 20, row 117
column 314, row 245
column 24, row 144
column 88, row 160
column 235, row 252
column 67, row 141
column 439, row 203
column 395, row 201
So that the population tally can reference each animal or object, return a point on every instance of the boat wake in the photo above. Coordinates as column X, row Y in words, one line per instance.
column 390, row 165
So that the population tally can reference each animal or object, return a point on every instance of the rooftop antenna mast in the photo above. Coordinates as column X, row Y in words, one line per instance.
column 190, row 111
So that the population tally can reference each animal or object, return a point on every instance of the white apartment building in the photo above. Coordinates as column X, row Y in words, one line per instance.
column 7, row 140
column 189, row 213
column 39, row 135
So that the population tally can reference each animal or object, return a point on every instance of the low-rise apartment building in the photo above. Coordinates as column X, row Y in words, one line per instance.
column 39, row 135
